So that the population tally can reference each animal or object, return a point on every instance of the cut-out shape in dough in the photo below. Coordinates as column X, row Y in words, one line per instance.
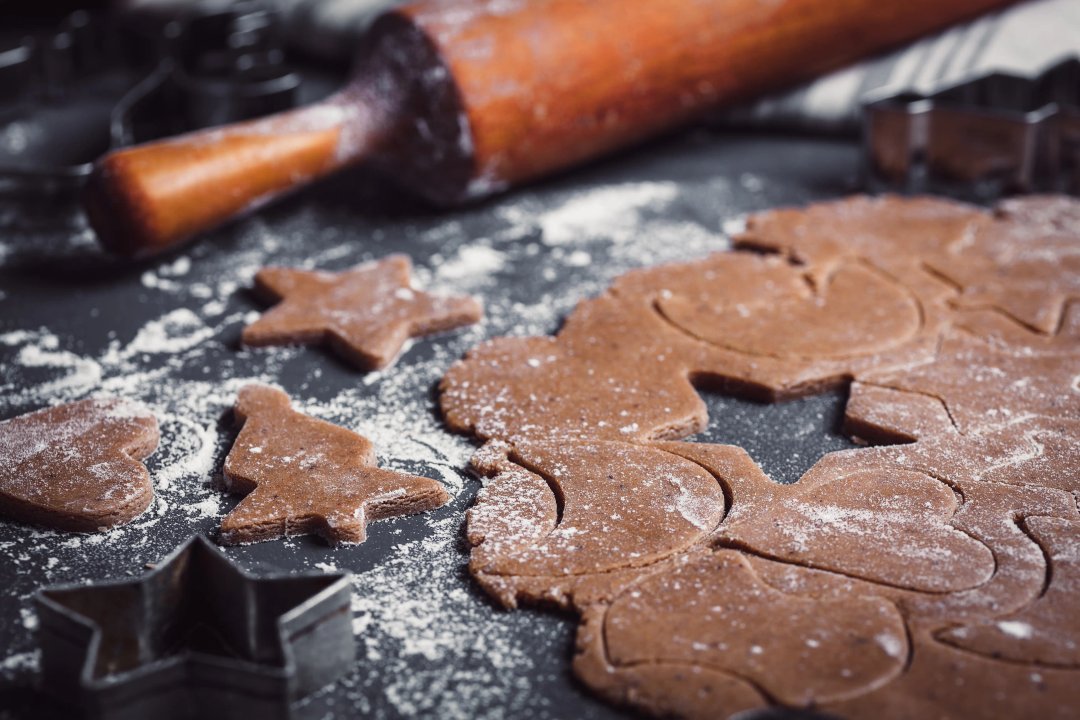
column 1027, row 266
column 989, row 516
column 894, row 233
column 301, row 475
column 77, row 466
column 946, row 682
column 1035, row 451
column 365, row 314
column 884, row 416
column 983, row 385
column 682, row 690
column 890, row 526
column 1046, row 632
column 856, row 311
column 712, row 300
column 612, row 373
column 608, row 506
column 715, row 613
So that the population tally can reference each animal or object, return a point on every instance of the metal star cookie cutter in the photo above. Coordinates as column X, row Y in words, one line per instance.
column 994, row 135
column 194, row 637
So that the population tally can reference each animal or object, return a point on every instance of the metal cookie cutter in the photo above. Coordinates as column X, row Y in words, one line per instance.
column 220, row 66
column 56, row 96
column 995, row 135
column 195, row 637
column 100, row 82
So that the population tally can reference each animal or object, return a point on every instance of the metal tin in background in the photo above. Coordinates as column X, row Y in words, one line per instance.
column 195, row 637
column 99, row 82
column 994, row 135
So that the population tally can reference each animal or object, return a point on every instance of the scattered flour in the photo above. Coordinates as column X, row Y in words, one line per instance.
column 891, row 644
column 606, row 211
column 429, row 643
column 173, row 332
column 24, row 661
column 417, row 620
column 1019, row 630
column 471, row 261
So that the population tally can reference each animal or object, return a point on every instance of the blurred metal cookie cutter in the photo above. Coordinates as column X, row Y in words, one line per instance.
column 219, row 66
column 99, row 82
column 994, row 135
column 195, row 637
column 56, row 97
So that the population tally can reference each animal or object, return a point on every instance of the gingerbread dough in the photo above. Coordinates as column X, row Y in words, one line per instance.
column 300, row 476
column 365, row 314
column 856, row 311
column 883, row 416
column 932, row 574
column 1056, row 213
column 713, row 612
column 555, row 510
column 1046, row 632
column 78, row 466
column 890, row 526
column 981, row 385
column 579, row 384
column 761, row 328
column 1026, row 266
column 945, row 682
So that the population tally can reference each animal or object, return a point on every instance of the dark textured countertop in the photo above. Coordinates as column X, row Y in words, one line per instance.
column 75, row 323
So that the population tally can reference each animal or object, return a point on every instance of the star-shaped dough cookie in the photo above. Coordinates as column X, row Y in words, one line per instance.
column 302, row 476
column 366, row 314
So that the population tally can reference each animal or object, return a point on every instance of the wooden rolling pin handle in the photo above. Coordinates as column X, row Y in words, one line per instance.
column 148, row 199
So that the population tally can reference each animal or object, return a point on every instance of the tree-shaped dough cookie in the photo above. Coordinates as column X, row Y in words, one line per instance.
column 302, row 475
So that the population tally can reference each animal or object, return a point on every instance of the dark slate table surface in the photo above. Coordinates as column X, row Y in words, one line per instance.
column 74, row 323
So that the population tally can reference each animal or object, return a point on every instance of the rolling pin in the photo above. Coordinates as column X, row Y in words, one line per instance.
column 456, row 99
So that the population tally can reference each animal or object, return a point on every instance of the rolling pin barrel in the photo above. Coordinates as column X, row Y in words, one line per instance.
column 461, row 98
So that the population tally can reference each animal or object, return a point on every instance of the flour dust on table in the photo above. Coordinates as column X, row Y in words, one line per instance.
column 168, row 336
